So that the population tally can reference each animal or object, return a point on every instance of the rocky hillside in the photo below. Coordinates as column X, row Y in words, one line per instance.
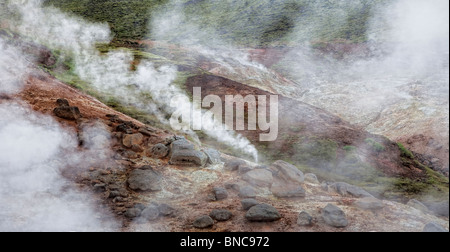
column 355, row 152
column 155, row 181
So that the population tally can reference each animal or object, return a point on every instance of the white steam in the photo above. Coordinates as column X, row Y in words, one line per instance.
column 11, row 74
column 34, row 194
column 110, row 73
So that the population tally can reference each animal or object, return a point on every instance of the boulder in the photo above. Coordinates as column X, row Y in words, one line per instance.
column 247, row 192
column 132, row 139
column 287, row 172
column 244, row 169
column 369, row 203
column 233, row 165
column 144, row 180
column 434, row 228
column 345, row 189
column 248, row 203
column 213, row 156
column 287, row 190
column 334, row 216
column 159, row 151
column 304, row 219
column 203, row 222
column 263, row 213
column 221, row 214
column 166, row 210
column 133, row 213
column 67, row 112
column 312, row 178
column 259, row 177
column 220, row 193
column 184, row 153
column 417, row 205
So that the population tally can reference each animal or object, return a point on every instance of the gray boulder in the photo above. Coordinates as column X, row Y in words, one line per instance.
column 259, row 177
column 203, row 222
column 133, row 213
column 247, row 192
column 233, row 165
column 311, row 178
column 248, row 203
column 221, row 214
column 345, row 189
column 304, row 219
column 334, row 216
column 417, row 205
column 166, row 210
column 287, row 190
column 369, row 203
column 220, row 193
column 263, row 213
column 434, row 228
column 287, row 172
column 244, row 169
column 184, row 153
column 144, row 180
column 213, row 156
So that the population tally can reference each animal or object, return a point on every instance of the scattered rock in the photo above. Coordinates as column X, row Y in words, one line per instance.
column 63, row 103
column 184, row 153
column 213, row 156
column 434, row 228
column 260, row 177
column 130, row 154
column 304, row 219
column 150, row 213
column 417, row 205
column 137, row 148
column 221, row 214
column 232, row 186
column 263, row 213
column 203, row 222
column 287, row 172
column 248, row 203
column 247, row 192
column 286, row 190
column 220, row 193
column 369, row 203
column 166, row 210
column 144, row 180
column 133, row 139
column 312, row 178
column 345, row 189
column 133, row 213
column 145, row 132
column 334, row 216
column 233, row 165
column 68, row 113
column 124, row 128
column 113, row 194
column 100, row 187
column 159, row 151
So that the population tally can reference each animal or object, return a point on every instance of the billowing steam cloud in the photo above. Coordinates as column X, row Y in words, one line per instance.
column 11, row 74
column 110, row 73
column 34, row 195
